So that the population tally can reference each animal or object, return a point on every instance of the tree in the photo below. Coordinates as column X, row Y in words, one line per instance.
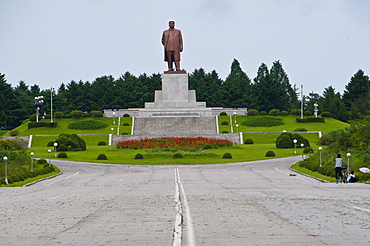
column 7, row 103
column 332, row 102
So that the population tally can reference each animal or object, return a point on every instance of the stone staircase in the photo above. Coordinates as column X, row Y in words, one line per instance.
column 174, row 126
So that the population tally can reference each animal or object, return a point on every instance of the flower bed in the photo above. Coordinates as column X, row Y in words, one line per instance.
column 174, row 142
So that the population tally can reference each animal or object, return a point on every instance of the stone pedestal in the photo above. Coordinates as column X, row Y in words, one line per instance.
column 175, row 93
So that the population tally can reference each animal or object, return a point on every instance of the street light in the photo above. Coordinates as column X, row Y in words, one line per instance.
column 114, row 118
column 348, row 155
column 51, row 104
column 295, row 145
column 112, row 129
column 302, row 145
column 5, row 158
column 38, row 101
column 32, row 154
column 55, row 149
column 237, row 130
column 234, row 116
column 49, row 151
column 320, row 149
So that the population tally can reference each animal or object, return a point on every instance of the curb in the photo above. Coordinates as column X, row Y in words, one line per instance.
column 34, row 182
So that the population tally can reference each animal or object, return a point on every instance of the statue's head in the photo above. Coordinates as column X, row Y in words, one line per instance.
column 171, row 24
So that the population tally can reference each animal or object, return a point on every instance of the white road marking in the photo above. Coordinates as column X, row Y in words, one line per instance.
column 177, row 232
column 62, row 179
column 288, row 174
column 54, row 197
column 363, row 209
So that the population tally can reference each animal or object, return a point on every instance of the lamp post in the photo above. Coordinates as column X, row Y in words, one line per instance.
column 234, row 116
column 38, row 101
column 112, row 129
column 51, row 104
column 55, row 149
column 295, row 145
column 320, row 149
column 302, row 145
column 348, row 155
column 114, row 118
column 237, row 129
column 315, row 109
column 49, row 151
column 5, row 158
column 32, row 154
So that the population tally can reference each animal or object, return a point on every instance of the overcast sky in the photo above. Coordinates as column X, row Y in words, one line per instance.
column 320, row 43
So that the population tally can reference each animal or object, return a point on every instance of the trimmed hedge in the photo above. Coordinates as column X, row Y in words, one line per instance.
column 248, row 141
column 227, row 156
column 224, row 123
column 42, row 124
column 223, row 114
column 310, row 119
column 139, row 156
column 62, row 155
column 101, row 143
column 270, row 153
column 177, row 155
column 87, row 125
column 102, row 157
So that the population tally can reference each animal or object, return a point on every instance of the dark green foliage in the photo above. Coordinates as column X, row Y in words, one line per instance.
column 310, row 119
column 126, row 124
column 42, row 161
column 223, row 114
column 262, row 113
column 252, row 112
column 300, row 130
column 13, row 133
column 295, row 112
column 139, row 156
column 124, row 133
column 207, row 146
column 101, row 143
column 307, row 113
column 33, row 118
column 285, row 140
column 50, row 144
column 102, row 157
column 126, row 115
column 96, row 114
column 248, row 141
column 307, row 150
column 274, row 112
column 87, row 125
column 326, row 114
column 177, row 155
column 70, row 142
column 224, row 123
column 42, row 124
column 225, row 132
column 284, row 113
column 58, row 115
column 227, row 156
column 76, row 114
column 62, row 155
column 270, row 153
column 262, row 121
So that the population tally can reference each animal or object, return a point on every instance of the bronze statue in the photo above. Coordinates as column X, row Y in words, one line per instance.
column 172, row 42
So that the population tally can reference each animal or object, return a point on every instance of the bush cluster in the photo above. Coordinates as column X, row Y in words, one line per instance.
column 27, row 174
column 76, row 114
column 252, row 112
column 96, row 114
column 285, row 141
column 17, row 144
column 70, row 142
column 87, row 125
column 274, row 112
column 58, row 115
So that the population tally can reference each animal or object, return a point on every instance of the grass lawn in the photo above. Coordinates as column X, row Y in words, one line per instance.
column 310, row 173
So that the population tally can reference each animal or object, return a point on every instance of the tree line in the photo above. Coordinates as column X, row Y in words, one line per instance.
column 270, row 89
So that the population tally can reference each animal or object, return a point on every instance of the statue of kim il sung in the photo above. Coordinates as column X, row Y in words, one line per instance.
column 172, row 42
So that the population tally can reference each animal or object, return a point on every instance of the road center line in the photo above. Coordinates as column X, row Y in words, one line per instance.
column 62, row 179
column 363, row 209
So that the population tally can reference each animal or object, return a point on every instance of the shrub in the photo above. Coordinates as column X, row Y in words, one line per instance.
column 285, row 140
column 295, row 112
column 284, row 113
column 307, row 113
column 252, row 112
column 261, row 121
column 101, row 143
column 270, row 153
column 327, row 139
column 208, row 146
column 126, row 115
column 67, row 142
column 67, row 116
column 13, row 133
column 308, row 150
column 124, row 133
column 87, row 125
column 42, row 161
column 225, row 132
column 326, row 114
column 263, row 113
column 274, row 112
column 223, row 114
column 126, row 124
column 227, row 156
column 33, row 118
column 248, row 141
column 58, row 115
column 139, row 156
column 62, row 155
column 96, row 113
column 102, row 157
column 50, row 144
column 300, row 130
column 224, row 123
column 76, row 114
column 177, row 155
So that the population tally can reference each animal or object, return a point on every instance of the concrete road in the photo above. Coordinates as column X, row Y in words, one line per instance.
column 255, row 203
